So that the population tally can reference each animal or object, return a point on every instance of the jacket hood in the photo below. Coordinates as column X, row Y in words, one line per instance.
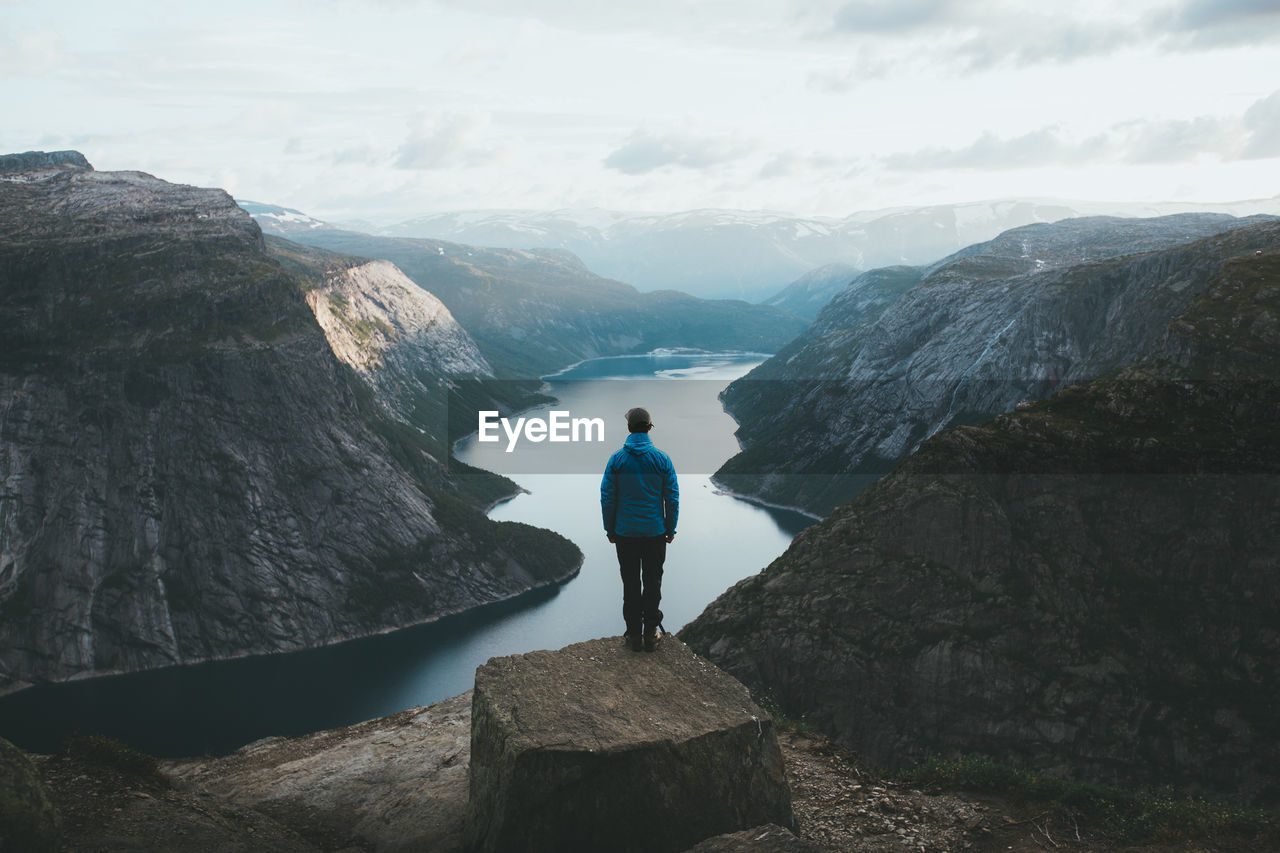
column 638, row 443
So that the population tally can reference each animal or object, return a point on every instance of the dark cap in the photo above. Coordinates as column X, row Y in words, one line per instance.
column 638, row 419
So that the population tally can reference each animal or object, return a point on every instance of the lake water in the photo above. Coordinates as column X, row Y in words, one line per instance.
column 216, row 707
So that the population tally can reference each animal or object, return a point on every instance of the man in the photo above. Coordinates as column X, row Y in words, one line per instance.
column 640, row 501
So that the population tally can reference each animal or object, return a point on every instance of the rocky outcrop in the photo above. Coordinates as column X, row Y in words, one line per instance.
column 905, row 352
column 535, row 312
column 390, row 784
column 31, row 165
column 595, row 747
column 1086, row 586
column 187, row 470
column 28, row 821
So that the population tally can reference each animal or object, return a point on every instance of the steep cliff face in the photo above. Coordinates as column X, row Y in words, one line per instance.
column 424, row 369
column 534, row 312
column 1087, row 585
column 187, row 470
column 999, row 323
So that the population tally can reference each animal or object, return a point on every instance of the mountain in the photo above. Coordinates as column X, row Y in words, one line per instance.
column 752, row 255
column 904, row 352
column 810, row 293
column 1086, row 586
column 281, row 220
column 538, row 311
column 194, row 465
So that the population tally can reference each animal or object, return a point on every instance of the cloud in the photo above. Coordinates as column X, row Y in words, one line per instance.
column 1035, row 41
column 645, row 151
column 791, row 165
column 990, row 152
column 1254, row 135
column 1209, row 24
column 1262, row 123
column 888, row 16
column 1176, row 141
column 865, row 67
column 1202, row 14
column 365, row 154
column 443, row 142
column 31, row 52
column 974, row 37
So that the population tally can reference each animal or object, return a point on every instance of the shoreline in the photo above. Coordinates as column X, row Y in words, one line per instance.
column 751, row 499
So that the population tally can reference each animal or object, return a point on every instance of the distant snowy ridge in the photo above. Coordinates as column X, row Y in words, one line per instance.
column 751, row 254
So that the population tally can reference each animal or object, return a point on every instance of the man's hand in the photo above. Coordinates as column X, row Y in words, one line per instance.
column 669, row 537
column 613, row 539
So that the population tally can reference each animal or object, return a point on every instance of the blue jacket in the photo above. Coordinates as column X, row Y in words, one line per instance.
column 639, row 495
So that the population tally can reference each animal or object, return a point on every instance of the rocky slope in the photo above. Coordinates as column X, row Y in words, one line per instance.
column 535, row 312
column 809, row 294
column 1086, row 586
column 188, row 469
column 423, row 367
column 905, row 352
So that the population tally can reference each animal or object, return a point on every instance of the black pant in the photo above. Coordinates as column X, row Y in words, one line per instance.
column 640, row 562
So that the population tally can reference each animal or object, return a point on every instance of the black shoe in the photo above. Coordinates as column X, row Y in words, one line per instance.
column 650, row 640
column 634, row 641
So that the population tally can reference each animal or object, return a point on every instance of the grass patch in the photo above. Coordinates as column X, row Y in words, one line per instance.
column 1121, row 814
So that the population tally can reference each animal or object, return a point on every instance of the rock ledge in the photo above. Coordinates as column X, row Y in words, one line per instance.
column 597, row 747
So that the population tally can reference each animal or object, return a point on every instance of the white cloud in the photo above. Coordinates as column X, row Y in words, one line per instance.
column 1254, row 135
column 31, row 52
column 444, row 142
column 1218, row 23
column 645, row 151
column 897, row 16
column 1262, row 123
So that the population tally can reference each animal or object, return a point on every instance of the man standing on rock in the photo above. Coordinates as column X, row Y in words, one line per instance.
column 640, row 501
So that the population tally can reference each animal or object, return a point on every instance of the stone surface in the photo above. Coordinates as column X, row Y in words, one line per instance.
column 397, row 783
column 904, row 352
column 28, row 821
column 596, row 747
column 188, row 471
column 769, row 838
column 1087, row 586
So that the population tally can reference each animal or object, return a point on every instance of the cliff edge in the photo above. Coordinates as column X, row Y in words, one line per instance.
column 1086, row 586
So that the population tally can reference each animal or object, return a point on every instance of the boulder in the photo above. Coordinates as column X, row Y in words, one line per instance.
column 28, row 821
column 596, row 747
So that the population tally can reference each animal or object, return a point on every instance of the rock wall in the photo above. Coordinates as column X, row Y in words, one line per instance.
column 1086, row 586
column 187, row 471
column 905, row 352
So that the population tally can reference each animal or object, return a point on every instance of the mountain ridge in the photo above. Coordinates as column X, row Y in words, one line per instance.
column 906, row 351
column 1082, row 587
column 533, row 312
column 189, row 471
column 752, row 255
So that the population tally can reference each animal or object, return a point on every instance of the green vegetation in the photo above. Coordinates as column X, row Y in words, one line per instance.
column 361, row 330
column 1123, row 815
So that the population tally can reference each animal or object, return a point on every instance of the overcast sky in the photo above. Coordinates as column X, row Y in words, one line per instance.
column 384, row 109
